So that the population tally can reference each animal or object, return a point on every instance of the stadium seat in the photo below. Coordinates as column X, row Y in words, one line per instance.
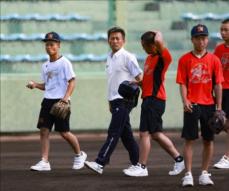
column 38, row 37
column 39, row 17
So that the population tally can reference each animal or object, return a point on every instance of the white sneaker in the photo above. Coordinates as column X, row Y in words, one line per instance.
column 177, row 168
column 136, row 171
column 204, row 179
column 78, row 162
column 187, row 180
column 94, row 166
column 223, row 163
column 131, row 166
column 41, row 166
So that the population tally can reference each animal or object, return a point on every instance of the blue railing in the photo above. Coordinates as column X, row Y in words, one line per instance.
column 38, row 17
column 71, row 37
column 215, row 36
column 39, row 37
column 206, row 16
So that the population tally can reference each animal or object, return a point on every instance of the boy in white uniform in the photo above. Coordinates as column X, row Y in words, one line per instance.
column 58, row 84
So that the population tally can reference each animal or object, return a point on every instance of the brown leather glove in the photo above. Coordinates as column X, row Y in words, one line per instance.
column 61, row 109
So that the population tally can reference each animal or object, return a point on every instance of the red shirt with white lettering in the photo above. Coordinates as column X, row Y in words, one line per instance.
column 199, row 75
column 222, row 51
column 154, row 75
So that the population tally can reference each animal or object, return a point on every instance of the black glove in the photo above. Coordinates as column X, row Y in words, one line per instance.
column 129, row 91
column 217, row 122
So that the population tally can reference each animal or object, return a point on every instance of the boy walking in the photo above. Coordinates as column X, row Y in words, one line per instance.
column 199, row 74
column 153, row 105
column 58, row 84
column 121, row 66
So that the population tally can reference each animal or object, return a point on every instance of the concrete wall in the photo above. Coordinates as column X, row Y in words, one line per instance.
column 20, row 106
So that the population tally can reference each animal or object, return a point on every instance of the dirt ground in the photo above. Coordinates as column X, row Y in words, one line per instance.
column 18, row 153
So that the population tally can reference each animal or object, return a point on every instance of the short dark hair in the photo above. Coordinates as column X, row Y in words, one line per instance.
column 116, row 29
column 225, row 21
column 148, row 37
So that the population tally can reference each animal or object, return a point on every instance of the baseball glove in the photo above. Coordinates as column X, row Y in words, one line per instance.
column 129, row 91
column 61, row 109
column 218, row 122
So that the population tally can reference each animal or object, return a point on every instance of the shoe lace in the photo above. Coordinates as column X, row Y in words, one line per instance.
column 187, row 178
column 131, row 167
column 77, row 160
column 40, row 163
column 207, row 175
column 176, row 166
column 223, row 161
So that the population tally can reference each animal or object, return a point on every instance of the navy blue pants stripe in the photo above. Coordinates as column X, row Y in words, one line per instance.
column 119, row 128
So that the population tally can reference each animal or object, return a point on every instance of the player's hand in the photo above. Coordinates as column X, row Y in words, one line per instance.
column 158, row 40
column 134, row 82
column 31, row 84
column 158, row 36
column 187, row 106
column 65, row 99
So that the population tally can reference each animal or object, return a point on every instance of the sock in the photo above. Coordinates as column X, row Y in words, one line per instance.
column 188, row 173
column 44, row 160
column 78, row 155
column 226, row 157
column 143, row 166
column 179, row 159
column 204, row 172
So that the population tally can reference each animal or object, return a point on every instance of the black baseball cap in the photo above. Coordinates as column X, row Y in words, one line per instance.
column 199, row 30
column 52, row 36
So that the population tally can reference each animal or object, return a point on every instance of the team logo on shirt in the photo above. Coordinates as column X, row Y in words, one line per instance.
column 147, row 70
column 225, row 61
column 200, row 74
column 52, row 80
column 50, row 75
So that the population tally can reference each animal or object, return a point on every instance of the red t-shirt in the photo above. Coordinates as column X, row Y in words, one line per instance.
column 198, row 74
column 223, row 53
column 154, row 75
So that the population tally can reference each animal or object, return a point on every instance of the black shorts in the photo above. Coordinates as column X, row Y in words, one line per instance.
column 225, row 102
column 46, row 120
column 200, row 113
column 152, row 110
